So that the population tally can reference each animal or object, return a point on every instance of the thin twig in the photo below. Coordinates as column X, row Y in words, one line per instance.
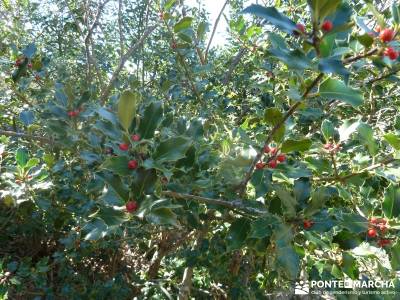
column 122, row 62
column 235, row 204
column 120, row 28
column 233, row 65
column 271, row 134
column 360, row 56
column 25, row 135
column 383, row 76
column 344, row 178
column 214, row 30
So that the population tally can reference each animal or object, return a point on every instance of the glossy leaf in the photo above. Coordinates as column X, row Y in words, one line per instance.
column 27, row 117
column 293, row 59
column 391, row 202
column 172, row 149
column 152, row 117
column 393, row 140
column 335, row 89
column 22, row 157
column 273, row 116
column 127, row 108
column 117, row 165
column 184, row 23
column 296, row 145
column 237, row 234
column 273, row 16
column 333, row 66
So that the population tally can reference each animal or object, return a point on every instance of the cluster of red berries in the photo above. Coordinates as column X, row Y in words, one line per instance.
column 131, row 206
column 73, row 113
column 375, row 225
column 326, row 26
column 132, row 164
column 391, row 53
column 274, row 159
column 332, row 148
column 385, row 35
column 307, row 224
column 20, row 60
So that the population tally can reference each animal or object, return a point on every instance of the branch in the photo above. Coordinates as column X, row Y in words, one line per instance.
column 235, row 204
column 383, row 76
column 233, row 65
column 370, row 168
column 122, row 62
column 96, row 19
column 214, row 30
column 290, row 112
column 121, row 36
column 25, row 135
column 360, row 56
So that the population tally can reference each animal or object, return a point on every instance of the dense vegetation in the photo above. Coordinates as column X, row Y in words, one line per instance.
column 138, row 161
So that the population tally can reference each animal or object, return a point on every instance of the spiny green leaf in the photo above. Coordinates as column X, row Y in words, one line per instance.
column 296, row 145
column 117, row 165
column 172, row 149
column 391, row 202
column 184, row 23
column 393, row 140
column 335, row 89
column 273, row 16
column 127, row 108
column 152, row 117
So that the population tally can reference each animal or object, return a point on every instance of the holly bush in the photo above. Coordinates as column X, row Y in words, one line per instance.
column 139, row 161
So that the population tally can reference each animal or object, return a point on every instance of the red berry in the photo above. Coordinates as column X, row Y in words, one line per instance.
column 327, row 26
column 132, row 164
column 267, row 149
column 272, row 164
column 131, row 206
column 135, row 137
column 30, row 65
column 281, row 157
column 260, row 165
column 391, row 53
column 371, row 233
column 378, row 28
column 373, row 220
column 300, row 27
column 17, row 62
column 162, row 16
column 73, row 113
column 328, row 146
column 307, row 224
column 273, row 151
column 382, row 227
column 123, row 147
column 386, row 35
column 383, row 242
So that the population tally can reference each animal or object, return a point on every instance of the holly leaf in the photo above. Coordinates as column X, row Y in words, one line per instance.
column 391, row 202
column 127, row 108
column 237, row 233
column 335, row 89
column 172, row 149
column 273, row 16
